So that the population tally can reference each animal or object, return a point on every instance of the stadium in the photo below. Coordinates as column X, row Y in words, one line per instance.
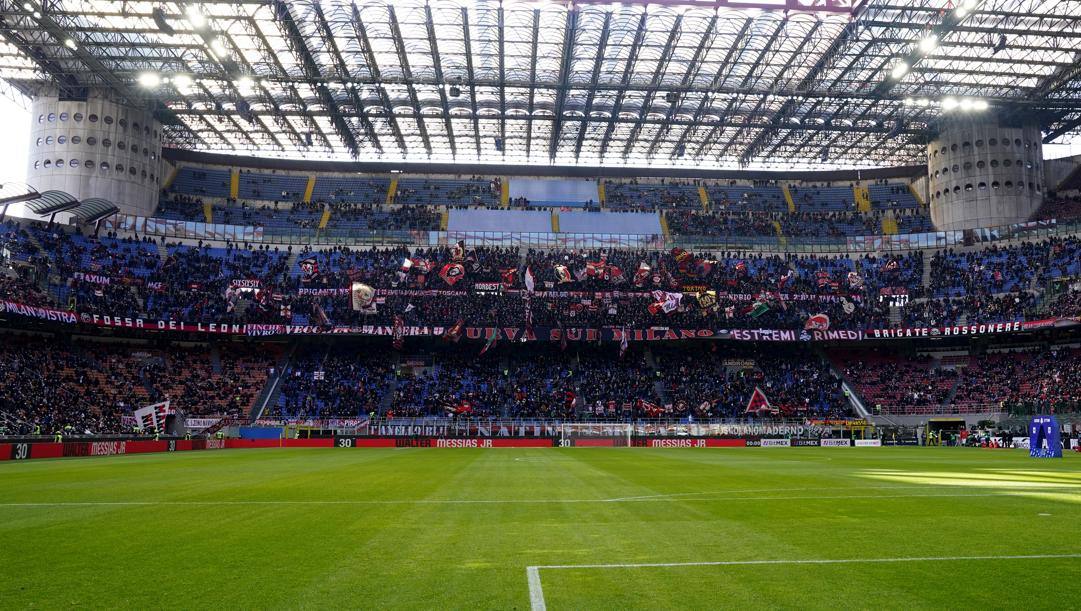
column 533, row 304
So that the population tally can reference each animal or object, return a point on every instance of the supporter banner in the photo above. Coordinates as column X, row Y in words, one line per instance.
column 330, row 423
column 553, row 334
column 868, row 443
column 466, row 429
column 125, row 322
column 323, row 292
column 91, row 278
column 776, row 443
column 40, row 313
column 198, row 424
column 245, row 283
column 835, row 443
column 970, row 329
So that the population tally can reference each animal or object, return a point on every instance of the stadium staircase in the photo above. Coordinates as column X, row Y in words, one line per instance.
column 392, row 390
column 146, row 377
column 854, row 399
column 215, row 359
column 291, row 261
column 272, row 389
column 163, row 252
column 926, row 280
column 658, row 382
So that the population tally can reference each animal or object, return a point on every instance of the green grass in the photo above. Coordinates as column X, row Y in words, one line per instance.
column 371, row 528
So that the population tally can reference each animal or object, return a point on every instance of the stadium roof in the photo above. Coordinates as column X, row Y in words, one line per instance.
column 677, row 82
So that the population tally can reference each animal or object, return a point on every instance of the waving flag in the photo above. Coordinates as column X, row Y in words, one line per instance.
column 759, row 403
column 452, row 273
column 492, row 340
column 309, row 269
column 623, row 343
column 641, row 275
column 759, row 308
column 818, row 322
column 363, row 297
column 666, row 302
column 530, row 282
column 454, row 333
column 507, row 276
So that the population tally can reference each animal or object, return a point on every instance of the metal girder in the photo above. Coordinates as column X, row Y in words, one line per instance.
column 569, row 32
column 628, row 69
column 361, row 34
column 730, row 121
column 403, row 57
column 311, row 68
column 438, row 66
column 472, row 81
column 751, row 86
column 751, row 149
column 602, row 43
column 693, row 70
column 532, row 82
column 662, row 65
column 344, row 72
column 728, row 108
column 501, row 29
column 753, row 74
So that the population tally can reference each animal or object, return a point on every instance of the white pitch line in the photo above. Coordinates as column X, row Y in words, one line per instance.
column 536, row 592
column 536, row 589
column 1005, row 493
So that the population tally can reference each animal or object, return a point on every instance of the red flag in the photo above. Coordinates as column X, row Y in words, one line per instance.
column 758, row 403
column 641, row 276
column 508, row 276
column 452, row 273
column 818, row 322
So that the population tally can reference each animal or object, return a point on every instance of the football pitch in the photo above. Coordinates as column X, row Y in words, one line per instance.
column 547, row 528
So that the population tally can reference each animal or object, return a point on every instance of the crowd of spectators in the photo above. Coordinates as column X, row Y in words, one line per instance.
column 795, row 224
column 1045, row 380
column 886, row 380
column 241, row 283
column 50, row 386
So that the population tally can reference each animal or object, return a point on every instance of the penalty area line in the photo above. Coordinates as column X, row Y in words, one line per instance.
column 536, row 588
